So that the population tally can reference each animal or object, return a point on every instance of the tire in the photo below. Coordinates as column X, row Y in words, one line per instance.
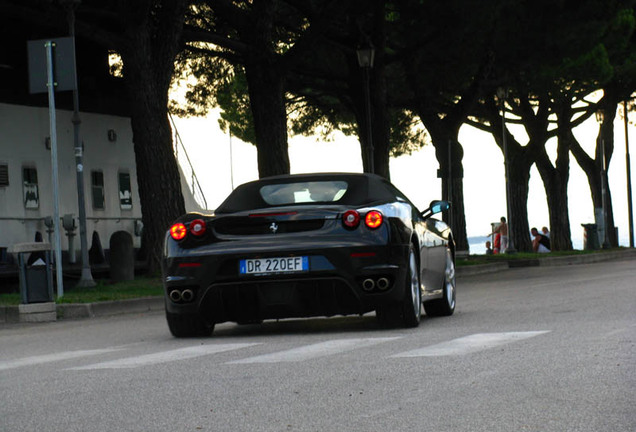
column 412, row 303
column 408, row 312
column 445, row 306
column 183, row 326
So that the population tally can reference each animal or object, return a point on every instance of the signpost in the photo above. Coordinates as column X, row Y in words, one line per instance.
column 52, row 68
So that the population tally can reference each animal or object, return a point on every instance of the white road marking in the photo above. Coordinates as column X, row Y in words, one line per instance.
column 165, row 356
column 49, row 358
column 470, row 344
column 314, row 351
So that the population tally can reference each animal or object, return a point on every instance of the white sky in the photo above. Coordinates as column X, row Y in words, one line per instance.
column 415, row 175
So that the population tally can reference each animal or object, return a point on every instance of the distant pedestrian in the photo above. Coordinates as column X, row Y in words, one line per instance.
column 502, row 230
column 540, row 243
column 488, row 248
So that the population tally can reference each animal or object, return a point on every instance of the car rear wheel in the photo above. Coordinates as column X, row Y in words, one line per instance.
column 445, row 306
column 182, row 326
column 408, row 312
column 412, row 303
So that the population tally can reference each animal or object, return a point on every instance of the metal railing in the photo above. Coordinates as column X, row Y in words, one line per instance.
column 186, row 167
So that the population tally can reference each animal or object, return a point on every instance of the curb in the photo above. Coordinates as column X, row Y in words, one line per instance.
column 480, row 269
column 11, row 314
column 545, row 262
column 64, row 311
column 109, row 308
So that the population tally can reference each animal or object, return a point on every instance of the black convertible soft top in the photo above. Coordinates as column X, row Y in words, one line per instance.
column 362, row 189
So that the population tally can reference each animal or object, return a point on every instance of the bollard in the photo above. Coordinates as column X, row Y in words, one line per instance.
column 590, row 237
column 122, row 257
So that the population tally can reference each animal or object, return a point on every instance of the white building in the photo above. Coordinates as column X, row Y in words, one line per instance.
column 110, row 178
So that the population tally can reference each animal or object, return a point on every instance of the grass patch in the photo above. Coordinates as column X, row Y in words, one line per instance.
column 104, row 291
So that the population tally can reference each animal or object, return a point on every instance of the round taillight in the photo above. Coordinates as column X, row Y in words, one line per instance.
column 351, row 218
column 197, row 227
column 373, row 219
column 178, row 231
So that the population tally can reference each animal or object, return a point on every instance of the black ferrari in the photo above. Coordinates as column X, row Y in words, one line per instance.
column 308, row 245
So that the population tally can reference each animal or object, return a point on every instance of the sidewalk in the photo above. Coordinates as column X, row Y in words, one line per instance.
column 470, row 270
column 11, row 314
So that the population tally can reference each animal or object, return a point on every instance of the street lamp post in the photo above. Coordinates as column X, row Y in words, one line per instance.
column 86, row 278
column 502, row 94
column 630, row 212
column 366, row 56
column 600, row 118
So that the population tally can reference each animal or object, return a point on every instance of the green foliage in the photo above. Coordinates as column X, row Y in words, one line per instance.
column 433, row 53
column 407, row 133
column 104, row 291
column 232, row 97
column 586, row 72
column 107, row 291
column 212, row 82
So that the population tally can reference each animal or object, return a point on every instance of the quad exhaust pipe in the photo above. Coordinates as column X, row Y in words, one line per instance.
column 368, row 284
column 175, row 295
column 186, row 296
column 381, row 283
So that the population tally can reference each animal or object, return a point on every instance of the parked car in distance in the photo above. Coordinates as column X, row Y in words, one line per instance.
column 308, row 245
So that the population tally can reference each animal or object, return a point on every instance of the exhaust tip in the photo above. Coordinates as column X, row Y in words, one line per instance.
column 368, row 284
column 383, row 283
column 187, row 295
column 175, row 295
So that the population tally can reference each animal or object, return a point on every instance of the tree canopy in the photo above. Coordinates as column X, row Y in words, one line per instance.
column 276, row 67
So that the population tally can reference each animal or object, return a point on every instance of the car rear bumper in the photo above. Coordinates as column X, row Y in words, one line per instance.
column 336, row 284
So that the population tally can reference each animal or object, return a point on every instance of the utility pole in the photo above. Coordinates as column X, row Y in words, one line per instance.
column 86, row 278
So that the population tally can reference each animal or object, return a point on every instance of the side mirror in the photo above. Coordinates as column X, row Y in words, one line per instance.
column 439, row 206
column 435, row 207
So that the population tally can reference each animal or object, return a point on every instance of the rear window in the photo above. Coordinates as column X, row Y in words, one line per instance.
column 303, row 192
column 342, row 189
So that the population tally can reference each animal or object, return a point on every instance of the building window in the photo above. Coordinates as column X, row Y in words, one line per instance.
column 4, row 175
column 125, row 192
column 30, row 188
column 97, row 187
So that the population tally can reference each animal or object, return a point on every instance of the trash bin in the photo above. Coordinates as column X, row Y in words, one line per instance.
column 36, row 282
column 590, row 237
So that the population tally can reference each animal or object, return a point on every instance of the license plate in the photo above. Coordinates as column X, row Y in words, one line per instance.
column 266, row 266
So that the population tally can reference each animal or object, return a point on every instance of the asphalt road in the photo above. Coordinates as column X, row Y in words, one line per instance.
column 531, row 349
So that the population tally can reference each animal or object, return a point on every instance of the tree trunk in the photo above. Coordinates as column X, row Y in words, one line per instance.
column 518, row 228
column 450, row 154
column 267, row 101
column 157, row 172
column 607, row 144
column 593, row 168
column 520, row 159
column 381, row 128
column 152, row 40
column 555, row 181
column 266, row 86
